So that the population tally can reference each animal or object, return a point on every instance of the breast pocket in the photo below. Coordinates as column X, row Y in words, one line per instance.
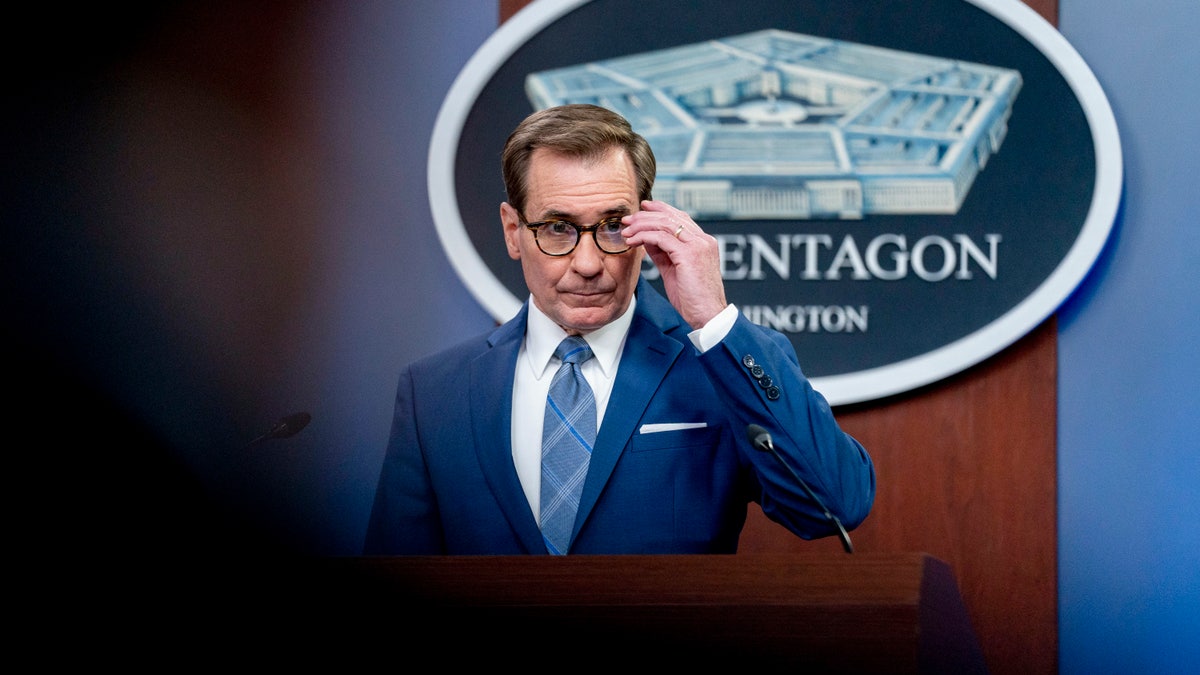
column 674, row 438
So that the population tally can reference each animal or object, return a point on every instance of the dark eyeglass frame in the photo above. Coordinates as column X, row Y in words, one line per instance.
column 580, row 230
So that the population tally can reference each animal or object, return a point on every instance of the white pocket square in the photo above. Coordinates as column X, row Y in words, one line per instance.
column 671, row 426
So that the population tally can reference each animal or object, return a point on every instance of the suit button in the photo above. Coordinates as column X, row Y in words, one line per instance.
column 757, row 371
column 747, row 360
column 765, row 381
column 772, row 393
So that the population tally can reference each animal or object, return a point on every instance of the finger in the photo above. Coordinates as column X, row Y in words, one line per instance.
column 664, row 234
column 661, row 225
column 675, row 221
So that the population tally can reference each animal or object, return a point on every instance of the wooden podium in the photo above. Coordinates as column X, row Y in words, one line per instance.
column 860, row 613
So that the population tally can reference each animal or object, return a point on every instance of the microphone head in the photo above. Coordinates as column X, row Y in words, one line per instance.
column 292, row 424
column 759, row 437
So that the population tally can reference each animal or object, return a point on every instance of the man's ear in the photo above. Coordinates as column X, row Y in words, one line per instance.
column 512, row 230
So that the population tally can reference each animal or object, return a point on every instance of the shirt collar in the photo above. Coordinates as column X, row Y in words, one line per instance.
column 542, row 336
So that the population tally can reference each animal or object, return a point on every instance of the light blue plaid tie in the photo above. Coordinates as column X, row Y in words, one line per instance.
column 568, row 433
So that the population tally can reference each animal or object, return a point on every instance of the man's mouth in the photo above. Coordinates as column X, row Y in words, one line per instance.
column 588, row 293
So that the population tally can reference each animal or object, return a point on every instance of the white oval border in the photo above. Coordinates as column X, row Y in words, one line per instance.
column 863, row 385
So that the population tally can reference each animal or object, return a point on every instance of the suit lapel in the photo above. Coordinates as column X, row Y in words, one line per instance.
column 649, row 353
column 647, row 356
column 491, row 425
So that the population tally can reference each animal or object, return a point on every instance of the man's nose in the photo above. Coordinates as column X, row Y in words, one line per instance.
column 587, row 259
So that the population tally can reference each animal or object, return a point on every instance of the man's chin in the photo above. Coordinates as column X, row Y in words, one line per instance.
column 586, row 319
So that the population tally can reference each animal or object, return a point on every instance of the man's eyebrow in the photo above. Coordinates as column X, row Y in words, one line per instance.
column 556, row 215
column 571, row 218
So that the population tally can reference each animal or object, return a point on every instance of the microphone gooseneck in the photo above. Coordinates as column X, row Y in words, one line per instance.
column 760, row 438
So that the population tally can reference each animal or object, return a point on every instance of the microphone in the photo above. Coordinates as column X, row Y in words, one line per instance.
column 288, row 426
column 760, row 438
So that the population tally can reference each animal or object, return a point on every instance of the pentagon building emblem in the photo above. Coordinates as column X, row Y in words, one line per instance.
column 780, row 125
column 901, row 189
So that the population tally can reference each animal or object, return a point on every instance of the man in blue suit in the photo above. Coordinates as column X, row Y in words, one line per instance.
column 674, row 383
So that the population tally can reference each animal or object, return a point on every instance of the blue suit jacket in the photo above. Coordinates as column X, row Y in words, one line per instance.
column 449, row 485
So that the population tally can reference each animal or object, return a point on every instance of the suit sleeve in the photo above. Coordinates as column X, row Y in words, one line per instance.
column 756, row 371
column 404, row 517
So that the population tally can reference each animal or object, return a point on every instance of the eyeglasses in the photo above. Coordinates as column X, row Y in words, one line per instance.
column 559, row 237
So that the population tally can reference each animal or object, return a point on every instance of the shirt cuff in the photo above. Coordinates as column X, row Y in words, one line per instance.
column 710, row 334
